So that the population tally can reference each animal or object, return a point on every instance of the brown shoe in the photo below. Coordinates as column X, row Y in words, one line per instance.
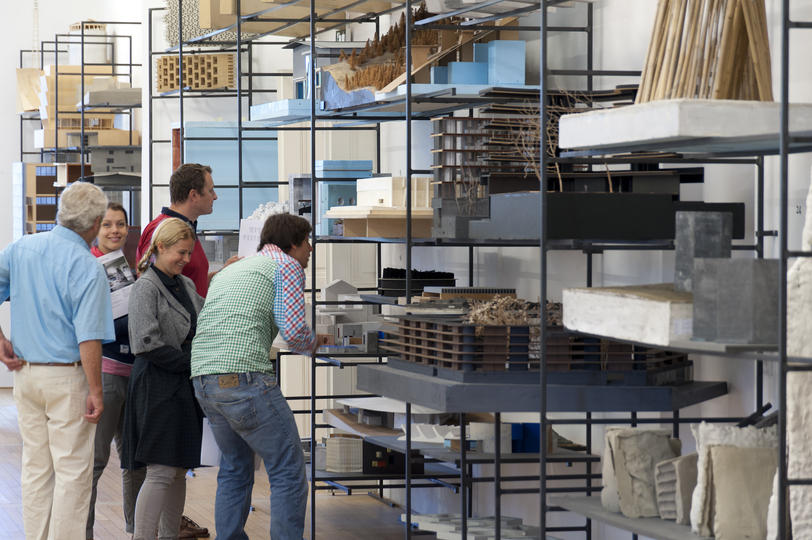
column 190, row 529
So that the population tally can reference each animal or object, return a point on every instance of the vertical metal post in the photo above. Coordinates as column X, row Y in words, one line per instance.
column 56, row 105
column 82, row 108
column 240, row 185
column 464, row 480
column 782, row 269
column 408, row 61
column 311, row 77
column 470, row 266
column 180, row 79
column 151, row 116
column 589, row 43
column 543, row 272
column 408, row 471
column 497, row 474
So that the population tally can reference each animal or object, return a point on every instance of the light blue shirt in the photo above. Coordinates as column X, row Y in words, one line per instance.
column 59, row 296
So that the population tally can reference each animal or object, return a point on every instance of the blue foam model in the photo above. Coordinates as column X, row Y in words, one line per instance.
column 467, row 73
column 506, row 62
column 480, row 52
column 344, row 165
column 343, row 174
column 439, row 75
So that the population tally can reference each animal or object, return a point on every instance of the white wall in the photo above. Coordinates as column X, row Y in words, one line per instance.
column 55, row 16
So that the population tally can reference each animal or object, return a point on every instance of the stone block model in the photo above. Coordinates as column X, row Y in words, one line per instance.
column 742, row 480
column 707, row 435
column 799, row 387
column 700, row 234
column 746, row 300
column 629, row 458
column 676, row 480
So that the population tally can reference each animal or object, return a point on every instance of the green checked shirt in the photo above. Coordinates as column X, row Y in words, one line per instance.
column 248, row 304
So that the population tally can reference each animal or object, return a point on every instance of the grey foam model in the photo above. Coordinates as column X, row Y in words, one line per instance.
column 700, row 235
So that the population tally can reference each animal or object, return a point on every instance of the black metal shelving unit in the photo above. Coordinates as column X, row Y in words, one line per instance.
column 378, row 113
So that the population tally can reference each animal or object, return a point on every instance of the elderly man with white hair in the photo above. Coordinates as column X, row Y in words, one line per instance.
column 61, row 314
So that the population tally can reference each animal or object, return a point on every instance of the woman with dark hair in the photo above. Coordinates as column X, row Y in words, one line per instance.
column 117, row 364
column 163, row 424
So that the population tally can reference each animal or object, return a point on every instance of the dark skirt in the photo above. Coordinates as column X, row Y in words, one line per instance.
column 163, row 423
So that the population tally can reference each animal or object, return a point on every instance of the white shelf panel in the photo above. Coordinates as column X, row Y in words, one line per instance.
column 685, row 125
column 656, row 528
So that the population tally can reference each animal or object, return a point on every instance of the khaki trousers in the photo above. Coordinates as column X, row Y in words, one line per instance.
column 57, row 468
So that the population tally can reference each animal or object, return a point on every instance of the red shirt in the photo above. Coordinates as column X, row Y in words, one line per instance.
column 197, row 269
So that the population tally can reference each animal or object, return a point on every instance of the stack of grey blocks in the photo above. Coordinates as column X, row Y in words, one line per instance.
column 735, row 300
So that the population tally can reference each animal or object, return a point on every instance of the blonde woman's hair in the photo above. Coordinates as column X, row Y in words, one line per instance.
column 169, row 232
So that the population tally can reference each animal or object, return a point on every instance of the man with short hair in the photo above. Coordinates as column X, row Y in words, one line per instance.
column 61, row 314
column 191, row 192
column 249, row 303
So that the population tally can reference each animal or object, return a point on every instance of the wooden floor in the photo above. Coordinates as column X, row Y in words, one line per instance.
column 339, row 516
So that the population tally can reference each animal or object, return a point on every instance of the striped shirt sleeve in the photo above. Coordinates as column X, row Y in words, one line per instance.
column 289, row 308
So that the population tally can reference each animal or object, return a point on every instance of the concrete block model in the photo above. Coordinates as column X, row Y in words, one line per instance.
column 736, row 300
column 700, row 234
column 506, row 62
column 706, row 288
column 439, row 75
column 452, row 216
column 467, row 73
column 675, row 482
column 747, row 301
column 628, row 480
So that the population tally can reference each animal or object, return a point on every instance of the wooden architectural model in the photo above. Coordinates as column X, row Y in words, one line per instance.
column 200, row 72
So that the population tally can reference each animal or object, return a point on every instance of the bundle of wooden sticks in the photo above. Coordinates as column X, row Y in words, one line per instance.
column 708, row 49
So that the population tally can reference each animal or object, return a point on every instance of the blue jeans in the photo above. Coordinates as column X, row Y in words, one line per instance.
column 250, row 415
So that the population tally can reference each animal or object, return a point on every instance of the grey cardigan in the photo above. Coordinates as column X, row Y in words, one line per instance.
column 156, row 316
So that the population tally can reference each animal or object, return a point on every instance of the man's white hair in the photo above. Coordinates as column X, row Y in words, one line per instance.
column 79, row 206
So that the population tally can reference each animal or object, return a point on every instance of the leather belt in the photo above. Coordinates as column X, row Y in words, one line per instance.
column 58, row 364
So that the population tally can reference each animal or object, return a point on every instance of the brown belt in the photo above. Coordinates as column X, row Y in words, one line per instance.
column 59, row 364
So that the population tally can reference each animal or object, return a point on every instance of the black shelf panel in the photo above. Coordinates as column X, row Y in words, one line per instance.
column 451, row 396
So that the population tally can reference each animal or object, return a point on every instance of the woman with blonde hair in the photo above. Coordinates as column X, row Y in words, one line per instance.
column 163, row 423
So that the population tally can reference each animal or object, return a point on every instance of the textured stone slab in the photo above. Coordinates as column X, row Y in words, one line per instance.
column 748, row 301
column 680, row 124
column 654, row 314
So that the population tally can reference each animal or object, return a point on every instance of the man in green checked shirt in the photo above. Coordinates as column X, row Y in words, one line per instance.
column 248, row 304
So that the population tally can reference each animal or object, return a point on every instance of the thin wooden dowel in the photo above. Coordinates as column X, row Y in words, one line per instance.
column 710, row 51
column 737, row 83
column 727, row 58
column 669, row 51
column 689, row 51
column 679, row 38
column 692, row 89
column 649, row 67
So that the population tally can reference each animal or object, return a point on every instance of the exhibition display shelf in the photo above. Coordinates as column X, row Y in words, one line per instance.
column 456, row 397
column 650, row 527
